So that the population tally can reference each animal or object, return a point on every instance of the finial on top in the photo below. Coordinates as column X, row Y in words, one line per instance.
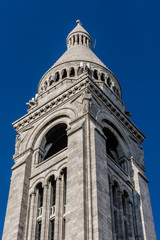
column 78, row 22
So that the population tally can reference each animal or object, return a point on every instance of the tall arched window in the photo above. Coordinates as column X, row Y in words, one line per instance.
column 39, row 211
column 111, row 144
column 114, row 149
column 52, row 183
column 95, row 74
column 54, row 141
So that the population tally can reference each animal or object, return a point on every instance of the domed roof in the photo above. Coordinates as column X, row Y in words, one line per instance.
column 79, row 53
column 79, row 43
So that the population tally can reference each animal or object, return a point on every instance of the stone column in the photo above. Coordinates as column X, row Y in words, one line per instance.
column 58, row 181
column 44, row 211
column 48, row 211
column 87, row 42
column 121, row 229
column 34, row 220
column 30, row 227
column 80, row 39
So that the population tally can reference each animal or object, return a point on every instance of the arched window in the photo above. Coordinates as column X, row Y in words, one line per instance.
column 95, row 74
column 72, row 72
column 64, row 73
column 78, row 39
column 102, row 77
column 80, row 71
column 39, row 211
column 51, row 80
column 52, row 183
column 56, row 76
column 109, row 81
column 54, row 141
column 111, row 144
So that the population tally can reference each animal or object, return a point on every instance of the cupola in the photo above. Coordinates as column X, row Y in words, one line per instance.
column 79, row 36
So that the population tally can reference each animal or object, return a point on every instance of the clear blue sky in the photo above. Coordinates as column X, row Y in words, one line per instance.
column 127, row 33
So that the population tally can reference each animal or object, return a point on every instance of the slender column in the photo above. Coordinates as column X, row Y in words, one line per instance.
column 75, row 39
column 130, row 220
column 112, row 209
column 80, row 39
column 30, row 230
column 48, row 211
column 87, row 42
column 34, row 220
column 121, row 218
column 58, row 181
column 44, row 211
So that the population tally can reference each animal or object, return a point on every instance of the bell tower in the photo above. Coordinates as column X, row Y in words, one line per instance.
column 78, row 169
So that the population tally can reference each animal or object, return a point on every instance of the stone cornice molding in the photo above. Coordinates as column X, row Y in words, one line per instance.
column 86, row 82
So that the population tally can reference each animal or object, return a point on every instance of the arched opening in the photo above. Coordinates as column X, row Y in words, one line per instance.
column 54, row 141
column 51, row 80
column 109, row 81
column 102, row 77
column 39, row 189
column 111, row 144
column 80, row 71
column 72, row 72
column 82, row 39
column 64, row 73
column 78, row 39
column 56, row 76
column 95, row 74
column 73, row 40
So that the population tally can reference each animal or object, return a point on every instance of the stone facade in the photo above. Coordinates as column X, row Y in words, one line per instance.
column 79, row 165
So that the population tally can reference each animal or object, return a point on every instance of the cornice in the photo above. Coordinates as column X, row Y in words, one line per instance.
column 85, row 82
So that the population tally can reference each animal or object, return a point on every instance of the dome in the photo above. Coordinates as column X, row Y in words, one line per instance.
column 79, row 58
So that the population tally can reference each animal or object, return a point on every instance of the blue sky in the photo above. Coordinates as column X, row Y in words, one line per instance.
column 33, row 35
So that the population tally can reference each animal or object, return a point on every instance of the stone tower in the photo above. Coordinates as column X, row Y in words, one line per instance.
column 79, row 165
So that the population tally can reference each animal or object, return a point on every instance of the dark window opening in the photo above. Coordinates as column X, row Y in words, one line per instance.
column 64, row 186
column 51, row 230
column 51, row 80
column 109, row 81
column 111, row 144
column 82, row 39
column 73, row 40
column 72, row 72
column 56, row 76
column 64, row 74
column 63, row 228
column 38, row 230
column 114, row 192
column 40, row 195
column 102, row 77
column 53, row 191
column 95, row 74
column 56, row 140
column 78, row 39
